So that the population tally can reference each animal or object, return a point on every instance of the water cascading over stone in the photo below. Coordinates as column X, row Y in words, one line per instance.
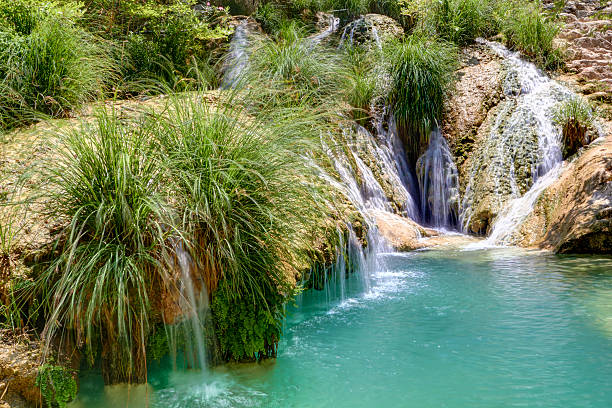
column 519, row 143
column 439, row 183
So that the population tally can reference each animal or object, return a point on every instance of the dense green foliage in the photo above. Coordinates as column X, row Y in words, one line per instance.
column 162, row 40
column 461, row 21
column 247, row 330
column 49, row 65
column 422, row 72
column 57, row 385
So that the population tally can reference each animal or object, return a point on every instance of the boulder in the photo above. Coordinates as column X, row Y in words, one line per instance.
column 372, row 29
column 401, row 233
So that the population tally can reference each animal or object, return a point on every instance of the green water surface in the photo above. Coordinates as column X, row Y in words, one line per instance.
column 487, row 328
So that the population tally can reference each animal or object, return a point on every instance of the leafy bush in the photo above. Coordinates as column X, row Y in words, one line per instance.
column 49, row 65
column 422, row 73
column 527, row 29
column 247, row 330
column 576, row 118
column 57, row 385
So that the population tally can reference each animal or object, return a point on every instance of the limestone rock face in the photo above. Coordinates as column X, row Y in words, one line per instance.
column 586, row 35
column 401, row 233
column 574, row 215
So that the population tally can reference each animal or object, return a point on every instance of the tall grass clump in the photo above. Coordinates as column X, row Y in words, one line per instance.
column 360, row 78
column 250, row 204
column 575, row 117
column 291, row 70
column 460, row 21
column 527, row 29
column 422, row 74
column 105, row 187
column 49, row 65
column 239, row 194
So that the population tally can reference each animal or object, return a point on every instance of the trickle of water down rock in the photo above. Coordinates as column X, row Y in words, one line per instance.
column 520, row 147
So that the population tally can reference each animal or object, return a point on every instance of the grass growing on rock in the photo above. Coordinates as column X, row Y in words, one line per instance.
column 291, row 70
column 576, row 117
column 422, row 74
column 527, row 29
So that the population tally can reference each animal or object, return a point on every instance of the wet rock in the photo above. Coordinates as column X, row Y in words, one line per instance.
column 507, row 149
column 401, row 233
column 574, row 215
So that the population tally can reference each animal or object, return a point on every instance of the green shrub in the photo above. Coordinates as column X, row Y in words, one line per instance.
column 57, row 385
column 576, row 118
column 422, row 74
column 528, row 30
column 49, row 65
column 247, row 330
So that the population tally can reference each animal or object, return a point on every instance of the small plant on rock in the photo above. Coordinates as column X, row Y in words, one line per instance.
column 57, row 385
column 575, row 117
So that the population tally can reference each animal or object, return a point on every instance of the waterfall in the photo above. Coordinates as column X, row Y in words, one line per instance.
column 517, row 210
column 193, row 302
column 359, row 26
column 333, row 24
column 531, row 98
column 238, row 58
column 438, row 181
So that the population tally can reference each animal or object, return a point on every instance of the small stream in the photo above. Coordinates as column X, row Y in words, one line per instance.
column 487, row 328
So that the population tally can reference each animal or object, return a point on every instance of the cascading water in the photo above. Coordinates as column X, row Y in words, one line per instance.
column 333, row 24
column 193, row 304
column 238, row 58
column 439, row 183
column 362, row 28
column 531, row 100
